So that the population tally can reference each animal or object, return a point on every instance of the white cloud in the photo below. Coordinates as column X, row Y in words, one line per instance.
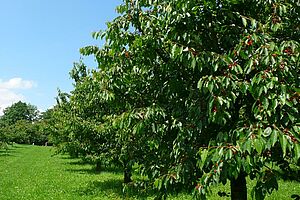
column 16, row 83
column 7, row 94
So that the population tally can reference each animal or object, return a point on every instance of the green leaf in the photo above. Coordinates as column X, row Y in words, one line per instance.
column 291, row 117
column 265, row 103
column 274, row 104
column 260, row 90
column 247, row 164
column 274, row 137
column 267, row 132
column 228, row 154
column 158, row 183
column 283, row 89
column 239, row 69
column 283, row 142
column 297, row 151
column 210, row 86
column 258, row 145
column 244, row 21
column 253, row 23
column 200, row 84
column 248, row 67
column 247, row 146
column 266, row 51
column 203, row 155
column 272, row 46
column 193, row 63
column 244, row 87
column 266, row 60
column 216, row 66
column 173, row 52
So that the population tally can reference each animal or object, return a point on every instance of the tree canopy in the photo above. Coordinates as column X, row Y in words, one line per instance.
column 190, row 94
column 22, row 123
column 19, row 111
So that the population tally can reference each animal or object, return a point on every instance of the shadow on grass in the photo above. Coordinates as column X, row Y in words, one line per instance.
column 76, row 162
column 7, row 151
column 100, row 187
column 17, row 146
column 93, row 170
column 7, row 155
column 64, row 156
column 10, row 151
column 83, row 171
column 113, row 187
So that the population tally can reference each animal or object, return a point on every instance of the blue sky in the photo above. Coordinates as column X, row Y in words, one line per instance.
column 40, row 40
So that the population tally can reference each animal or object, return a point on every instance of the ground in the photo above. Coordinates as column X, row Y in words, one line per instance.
column 35, row 172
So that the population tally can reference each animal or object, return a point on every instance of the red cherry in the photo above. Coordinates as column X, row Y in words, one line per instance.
column 250, row 42
column 215, row 109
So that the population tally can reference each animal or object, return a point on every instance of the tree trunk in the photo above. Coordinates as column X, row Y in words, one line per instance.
column 127, row 174
column 239, row 188
column 98, row 166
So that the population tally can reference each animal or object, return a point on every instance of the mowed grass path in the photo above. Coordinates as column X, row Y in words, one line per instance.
column 32, row 172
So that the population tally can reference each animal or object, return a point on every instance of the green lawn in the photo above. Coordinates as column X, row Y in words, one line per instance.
column 32, row 172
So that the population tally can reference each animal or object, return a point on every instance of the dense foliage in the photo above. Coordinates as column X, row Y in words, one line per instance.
column 190, row 94
column 21, row 123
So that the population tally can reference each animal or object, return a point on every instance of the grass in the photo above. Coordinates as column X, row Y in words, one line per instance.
column 32, row 172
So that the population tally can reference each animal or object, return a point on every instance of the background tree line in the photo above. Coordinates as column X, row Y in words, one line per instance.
column 22, row 123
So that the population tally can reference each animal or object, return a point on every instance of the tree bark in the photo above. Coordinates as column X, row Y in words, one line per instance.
column 127, row 175
column 239, row 188
column 98, row 166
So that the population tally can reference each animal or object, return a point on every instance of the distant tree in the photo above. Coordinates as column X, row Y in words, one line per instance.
column 21, row 123
column 19, row 111
column 61, row 129
column 45, row 125
column 48, row 114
